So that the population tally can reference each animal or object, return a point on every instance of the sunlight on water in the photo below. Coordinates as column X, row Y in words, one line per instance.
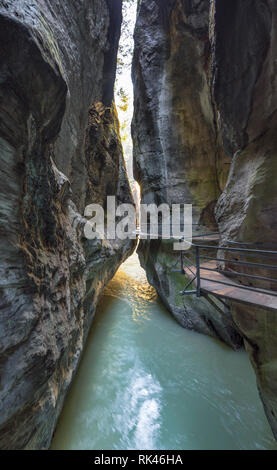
column 146, row 383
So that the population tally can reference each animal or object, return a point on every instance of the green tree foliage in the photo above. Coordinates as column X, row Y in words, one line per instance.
column 124, row 100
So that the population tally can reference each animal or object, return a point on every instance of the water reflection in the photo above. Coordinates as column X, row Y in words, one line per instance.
column 146, row 383
column 132, row 286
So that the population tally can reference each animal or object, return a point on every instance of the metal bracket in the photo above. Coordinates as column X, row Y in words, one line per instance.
column 185, row 292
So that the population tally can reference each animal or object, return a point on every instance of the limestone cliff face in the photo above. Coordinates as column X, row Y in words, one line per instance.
column 245, row 89
column 59, row 151
column 205, row 108
column 177, row 155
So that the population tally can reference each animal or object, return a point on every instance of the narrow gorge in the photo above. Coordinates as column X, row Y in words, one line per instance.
column 203, row 134
column 60, row 151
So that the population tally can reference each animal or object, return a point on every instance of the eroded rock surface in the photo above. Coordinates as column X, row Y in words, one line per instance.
column 178, row 158
column 205, row 107
column 60, row 150
column 245, row 91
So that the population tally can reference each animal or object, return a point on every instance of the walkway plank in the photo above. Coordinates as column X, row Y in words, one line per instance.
column 232, row 292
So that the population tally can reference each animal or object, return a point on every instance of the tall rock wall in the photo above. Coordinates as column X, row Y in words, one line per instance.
column 205, row 108
column 244, row 37
column 177, row 154
column 60, row 150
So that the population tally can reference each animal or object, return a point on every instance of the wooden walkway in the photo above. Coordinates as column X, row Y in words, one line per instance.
column 231, row 292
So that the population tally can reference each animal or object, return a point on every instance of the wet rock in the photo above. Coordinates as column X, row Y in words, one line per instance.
column 57, row 63
column 246, row 98
column 205, row 107
column 178, row 157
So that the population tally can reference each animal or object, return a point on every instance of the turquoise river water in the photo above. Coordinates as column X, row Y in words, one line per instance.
column 146, row 383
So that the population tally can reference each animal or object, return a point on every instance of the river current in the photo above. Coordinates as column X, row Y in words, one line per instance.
column 144, row 382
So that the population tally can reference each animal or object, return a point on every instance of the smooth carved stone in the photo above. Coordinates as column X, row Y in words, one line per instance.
column 57, row 62
column 205, row 87
column 177, row 156
column 245, row 89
